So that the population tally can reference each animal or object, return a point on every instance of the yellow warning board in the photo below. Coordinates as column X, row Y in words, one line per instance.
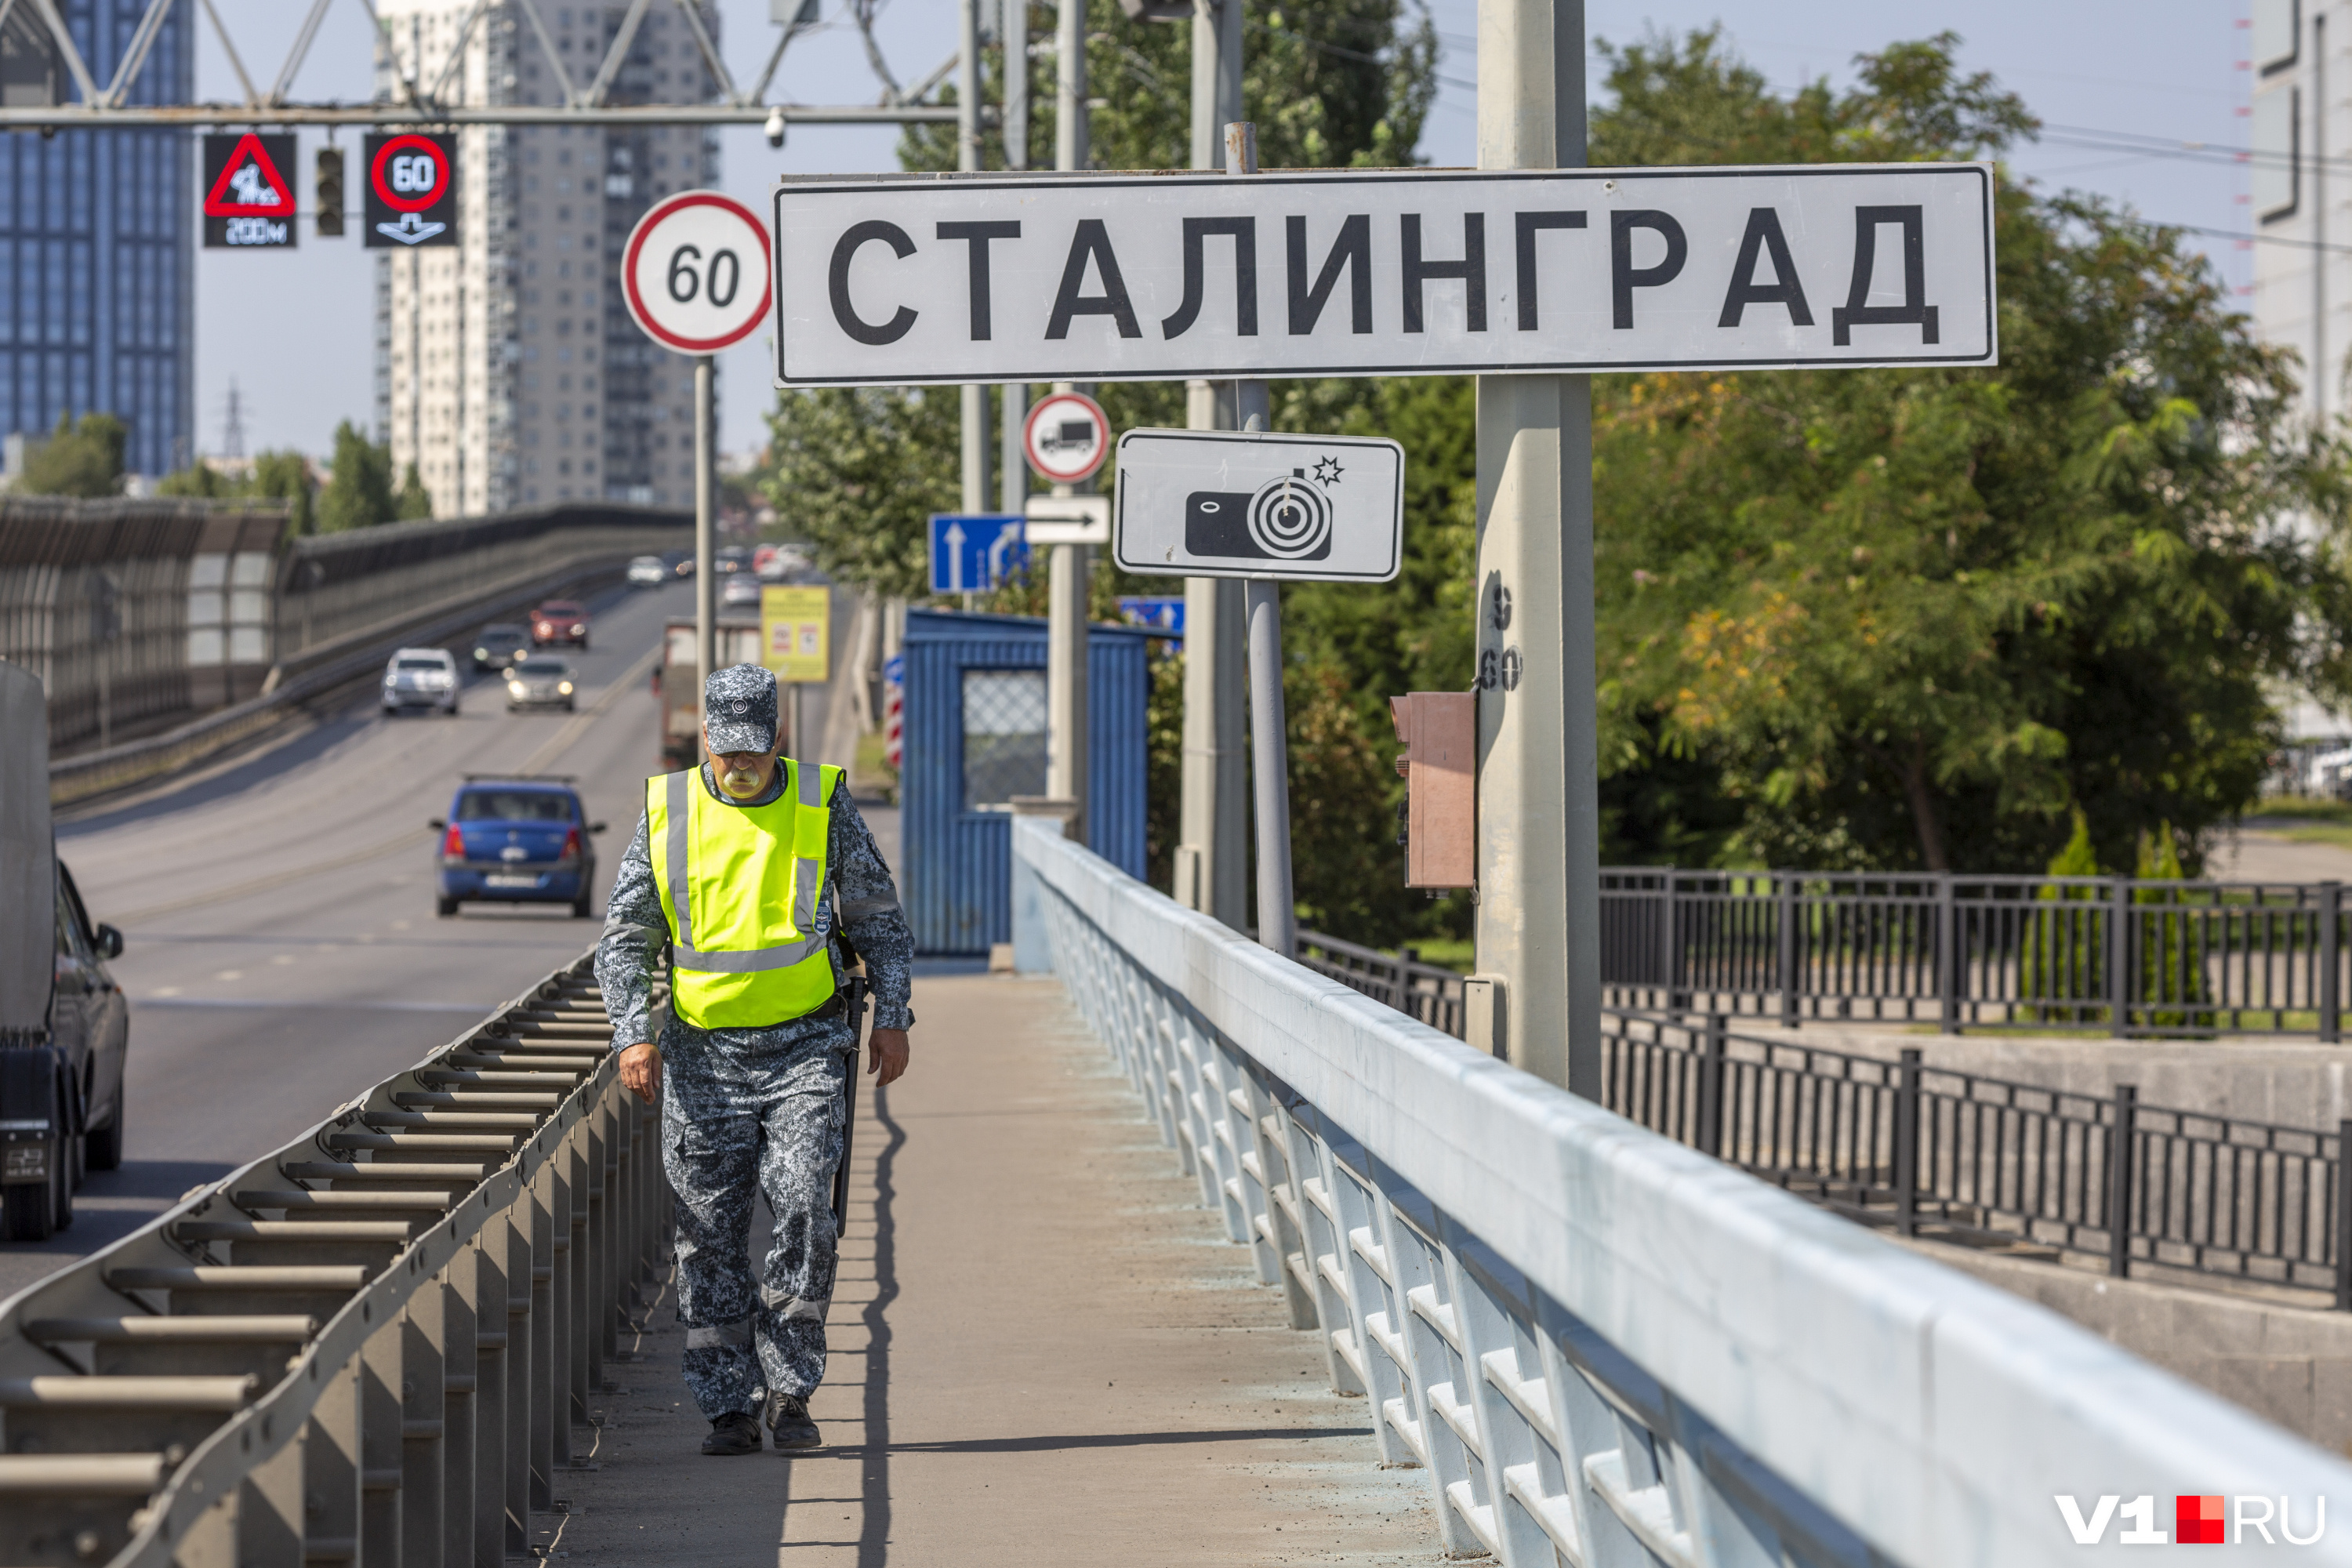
column 796, row 631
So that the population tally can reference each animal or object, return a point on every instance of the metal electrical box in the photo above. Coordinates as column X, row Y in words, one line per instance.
column 1440, row 765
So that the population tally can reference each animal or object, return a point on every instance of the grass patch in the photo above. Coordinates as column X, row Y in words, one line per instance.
column 2338, row 833
column 2298, row 808
column 1453, row 953
column 871, row 772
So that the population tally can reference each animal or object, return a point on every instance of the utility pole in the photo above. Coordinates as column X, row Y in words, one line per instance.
column 1211, row 852
column 975, row 396
column 1538, row 810
column 1065, row 604
column 1012, row 468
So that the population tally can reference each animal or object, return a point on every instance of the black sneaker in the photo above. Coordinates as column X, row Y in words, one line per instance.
column 789, row 1425
column 734, row 1433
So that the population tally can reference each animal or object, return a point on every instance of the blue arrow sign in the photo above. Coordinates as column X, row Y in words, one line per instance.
column 973, row 552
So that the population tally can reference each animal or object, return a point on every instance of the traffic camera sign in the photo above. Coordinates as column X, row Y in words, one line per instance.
column 1067, row 437
column 912, row 281
column 1229, row 503
column 248, row 200
column 412, row 190
column 695, row 272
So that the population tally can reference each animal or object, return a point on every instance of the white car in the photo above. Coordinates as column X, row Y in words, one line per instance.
column 421, row 678
column 741, row 588
column 647, row 571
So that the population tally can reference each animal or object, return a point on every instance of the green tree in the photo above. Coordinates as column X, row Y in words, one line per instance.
column 289, row 477
column 276, row 476
column 80, row 458
column 414, row 501
column 358, row 493
column 1912, row 617
column 859, row 471
column 200, row 480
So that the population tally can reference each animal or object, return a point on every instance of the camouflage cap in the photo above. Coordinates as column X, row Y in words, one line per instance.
column 739, row 709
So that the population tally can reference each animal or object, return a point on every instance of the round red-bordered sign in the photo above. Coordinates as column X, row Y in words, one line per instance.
column 409, row 201
column 1056, row 445
column 687, row 270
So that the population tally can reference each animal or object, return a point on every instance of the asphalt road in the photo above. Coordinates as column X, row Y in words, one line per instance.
column 281, row 950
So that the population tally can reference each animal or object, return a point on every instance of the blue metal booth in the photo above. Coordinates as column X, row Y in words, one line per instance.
column 974, row 737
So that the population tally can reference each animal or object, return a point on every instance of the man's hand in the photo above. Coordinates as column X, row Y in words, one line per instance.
column 641, row 1068
column 885, row 1056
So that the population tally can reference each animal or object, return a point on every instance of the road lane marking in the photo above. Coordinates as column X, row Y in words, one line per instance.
column 408, row 840
column 578, row 725
column 555, row 747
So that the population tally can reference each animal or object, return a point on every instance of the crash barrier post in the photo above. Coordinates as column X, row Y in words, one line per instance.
column 1602, row 1346
column 379, row 1344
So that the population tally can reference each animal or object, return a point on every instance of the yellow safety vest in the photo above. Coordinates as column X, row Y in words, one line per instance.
column 739, row 886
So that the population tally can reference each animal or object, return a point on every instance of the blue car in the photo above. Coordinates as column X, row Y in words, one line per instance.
column 516, row 840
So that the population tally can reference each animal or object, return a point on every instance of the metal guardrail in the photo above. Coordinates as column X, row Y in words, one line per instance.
column 1602, row 1346
column 2107, row 954
column 1902, row 1143
column 371, row 1346
column 1906, row 1145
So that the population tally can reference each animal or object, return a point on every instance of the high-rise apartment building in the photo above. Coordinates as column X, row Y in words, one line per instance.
column 98, row 254
column 2300, row 51
column 508, row 369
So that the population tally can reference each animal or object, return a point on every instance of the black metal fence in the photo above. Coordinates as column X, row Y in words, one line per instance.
column 1983, row 1159
column 2109, row 954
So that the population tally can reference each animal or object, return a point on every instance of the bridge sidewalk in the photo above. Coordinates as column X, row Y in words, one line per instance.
column 1043, row 1352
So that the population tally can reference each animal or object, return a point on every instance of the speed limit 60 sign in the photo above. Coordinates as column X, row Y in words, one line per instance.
column 695, row 272
column 411, row 180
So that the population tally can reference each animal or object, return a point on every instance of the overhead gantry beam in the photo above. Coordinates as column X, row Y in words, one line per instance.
column 420, row 95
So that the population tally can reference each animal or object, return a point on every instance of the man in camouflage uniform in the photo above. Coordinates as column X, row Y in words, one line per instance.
column 753, row 1104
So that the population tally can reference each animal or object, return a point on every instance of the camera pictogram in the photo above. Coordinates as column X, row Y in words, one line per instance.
column 1286, row 519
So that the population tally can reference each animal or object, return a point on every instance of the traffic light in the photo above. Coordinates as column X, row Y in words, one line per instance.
column 330, row 192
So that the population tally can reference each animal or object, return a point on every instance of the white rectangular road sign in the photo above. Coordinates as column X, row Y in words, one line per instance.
column 1068, row 520
column 914, row 279
column 1230, row 503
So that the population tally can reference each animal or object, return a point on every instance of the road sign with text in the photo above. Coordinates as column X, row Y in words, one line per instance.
column 695, row 272
column 1232, row 503
column 411, row 190
column 973, row 552
column 796, row 631
column 248, row 191
column 1119, row 277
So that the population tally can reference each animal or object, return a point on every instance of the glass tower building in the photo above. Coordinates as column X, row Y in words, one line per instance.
column 97, row 255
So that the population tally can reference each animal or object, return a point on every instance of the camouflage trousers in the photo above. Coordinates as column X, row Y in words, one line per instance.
column 747, row 1333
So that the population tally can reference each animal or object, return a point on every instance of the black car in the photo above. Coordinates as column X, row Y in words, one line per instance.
column 499, row 645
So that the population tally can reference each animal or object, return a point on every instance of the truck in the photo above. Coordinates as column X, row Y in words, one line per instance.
column 678, row 682
column 64, row 1023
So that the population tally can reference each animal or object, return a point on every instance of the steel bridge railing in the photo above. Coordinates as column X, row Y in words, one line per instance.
column 1601, row 1345
column 371, row 1346
column 2112, row 955
column 1900, row 1142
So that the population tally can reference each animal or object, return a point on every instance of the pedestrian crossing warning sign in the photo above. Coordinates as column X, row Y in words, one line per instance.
column 248, row 200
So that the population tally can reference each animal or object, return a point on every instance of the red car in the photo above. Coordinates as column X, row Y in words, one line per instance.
column 560, row 620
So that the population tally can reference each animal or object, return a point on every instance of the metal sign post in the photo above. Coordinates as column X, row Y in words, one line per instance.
column 1065, row 440
column 694, row 275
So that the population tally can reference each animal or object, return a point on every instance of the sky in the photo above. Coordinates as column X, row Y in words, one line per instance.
column 2121, row 85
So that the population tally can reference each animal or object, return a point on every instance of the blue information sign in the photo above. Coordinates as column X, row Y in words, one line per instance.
column 973, row 552
column 1160, row 615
